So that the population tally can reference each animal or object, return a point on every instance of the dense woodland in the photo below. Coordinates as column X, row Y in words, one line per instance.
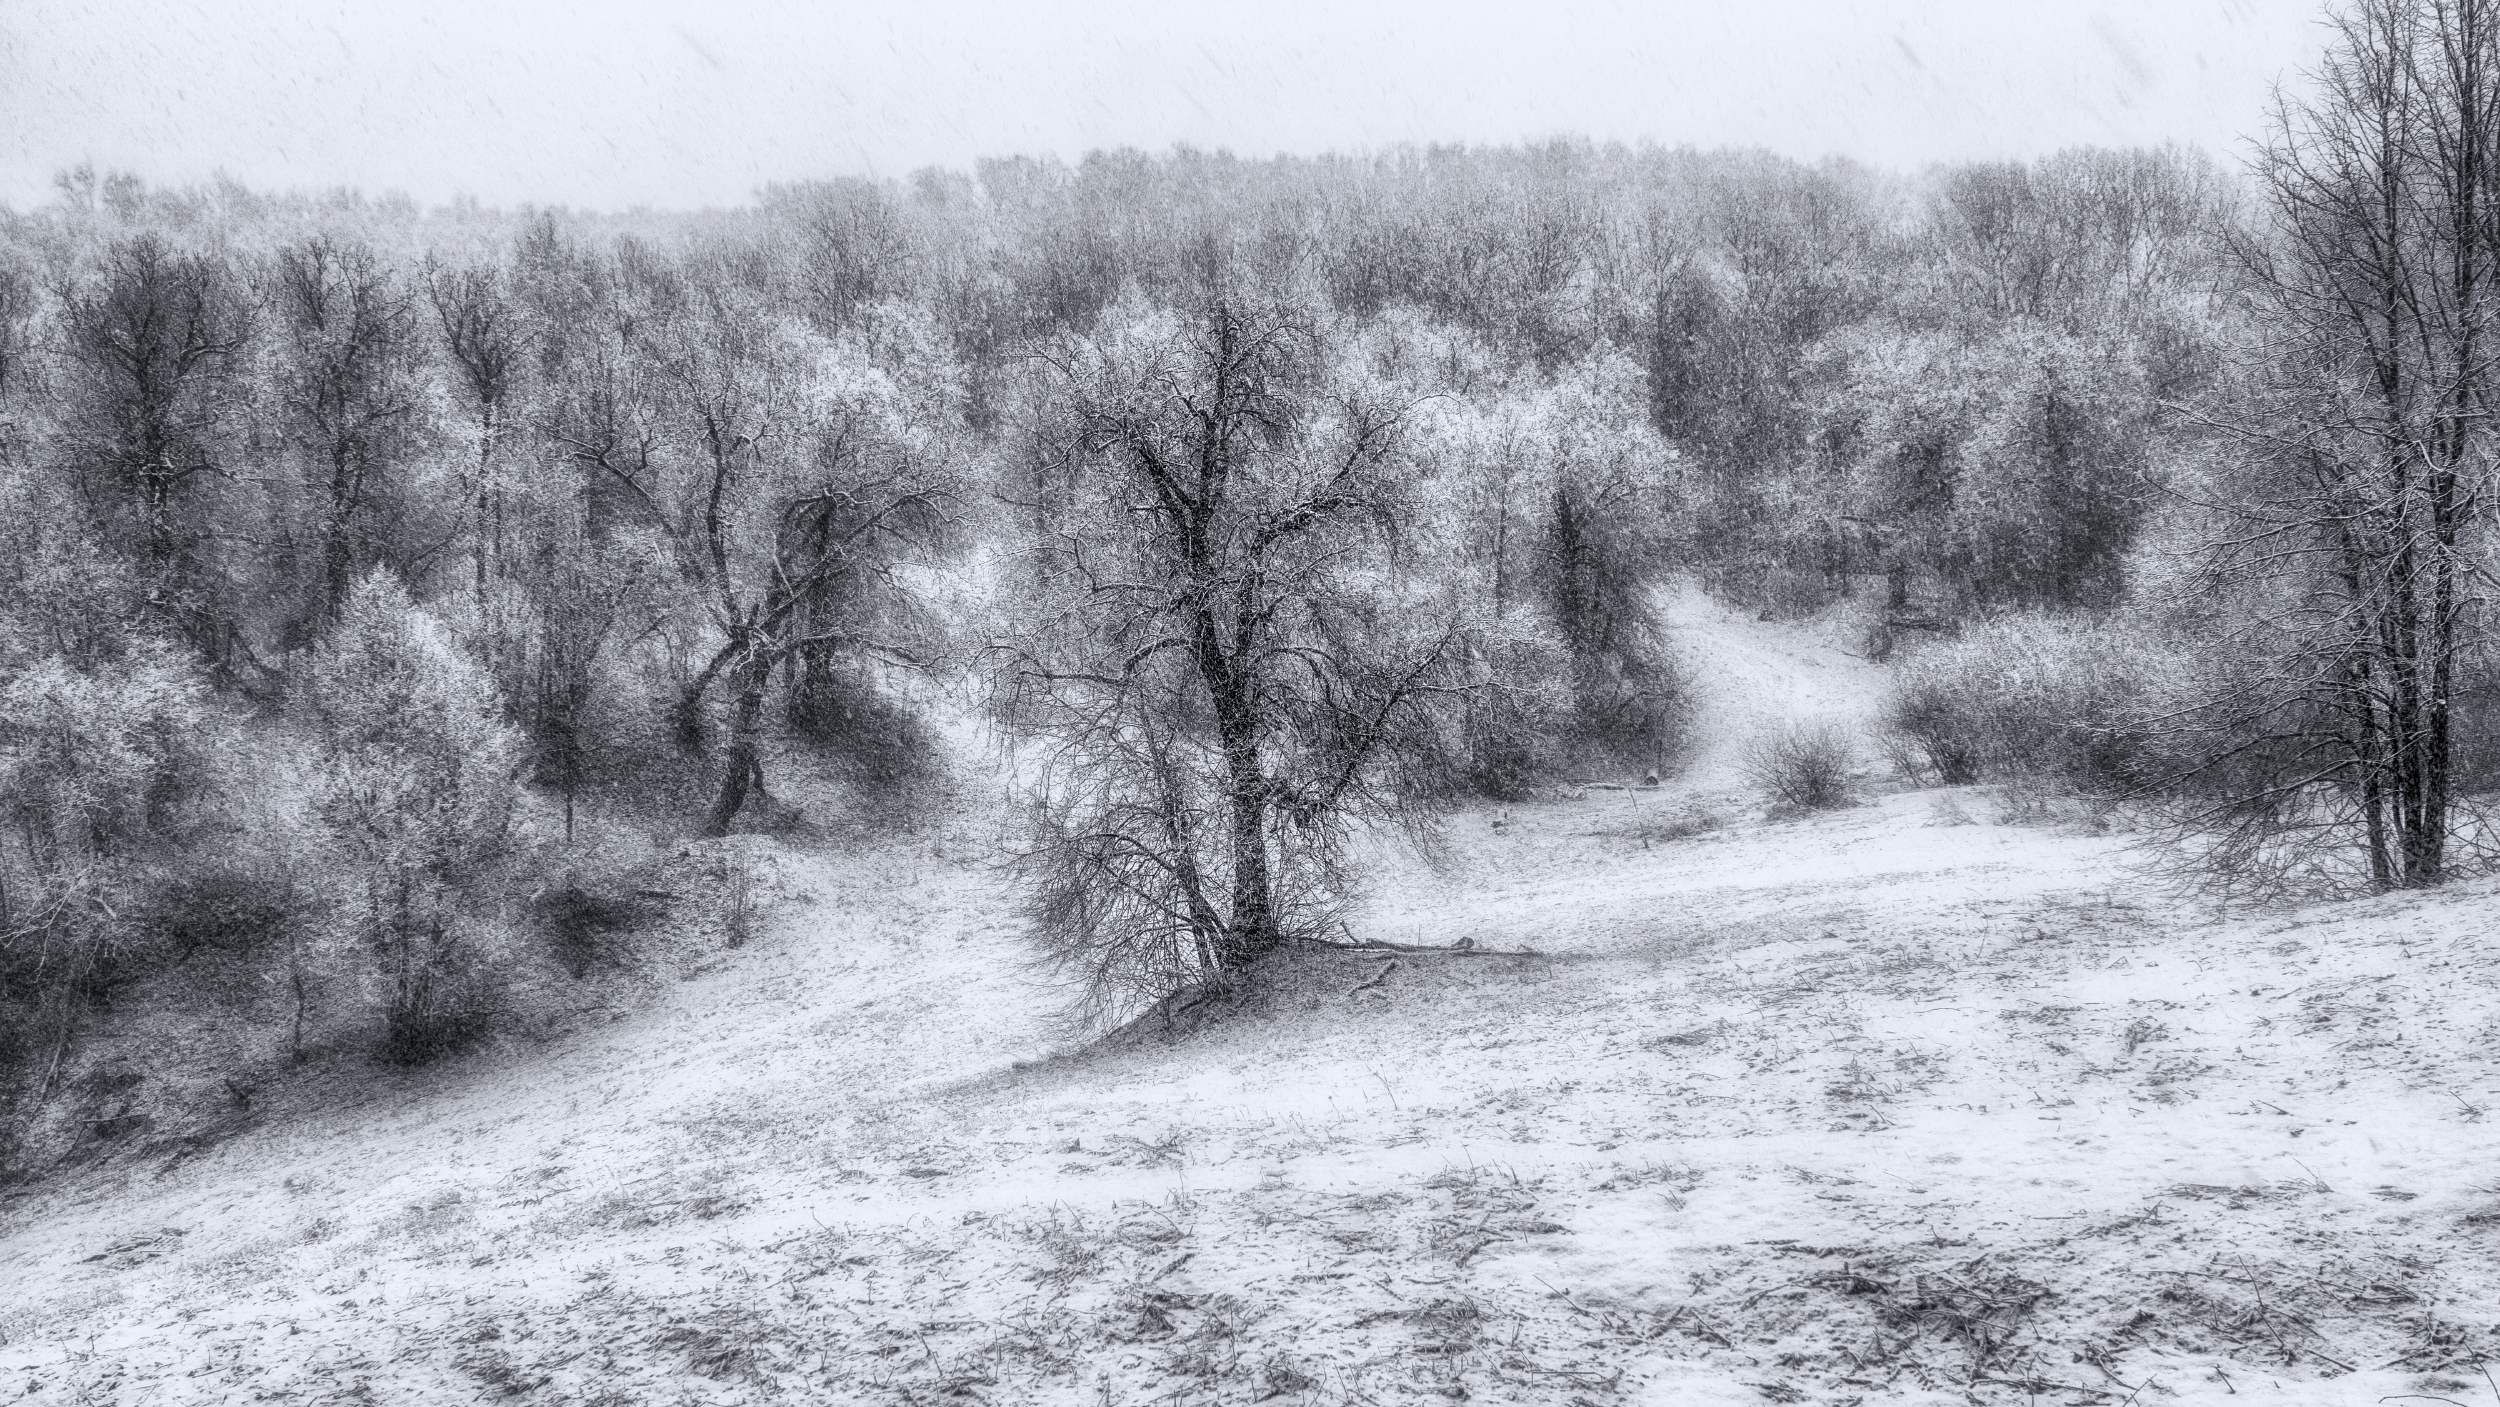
column 368, row 565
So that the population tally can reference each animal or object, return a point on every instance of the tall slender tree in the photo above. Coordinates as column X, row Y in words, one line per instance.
column 484, row 337
column 347, row 386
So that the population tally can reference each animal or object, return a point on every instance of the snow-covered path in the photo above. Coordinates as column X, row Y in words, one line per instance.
column 1750, row 677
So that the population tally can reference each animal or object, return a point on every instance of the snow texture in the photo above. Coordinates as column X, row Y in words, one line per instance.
column 1899, row 1103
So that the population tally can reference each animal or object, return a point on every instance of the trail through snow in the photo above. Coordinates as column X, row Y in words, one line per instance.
column 1751, row 677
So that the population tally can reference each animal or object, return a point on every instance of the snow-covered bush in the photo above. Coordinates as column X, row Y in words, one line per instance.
column 2035, row 696
column 95, row 762
column 91, row 759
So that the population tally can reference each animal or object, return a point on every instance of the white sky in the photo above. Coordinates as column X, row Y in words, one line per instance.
column 628, row 103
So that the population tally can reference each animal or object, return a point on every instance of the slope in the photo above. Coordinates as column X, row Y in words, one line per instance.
column 1886, row 1105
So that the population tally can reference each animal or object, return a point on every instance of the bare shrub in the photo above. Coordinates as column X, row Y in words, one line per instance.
column 1803, row 766
column 442, row 993
column 1630, row 701
column 2037, row 697
column 1932, row 727
column 1509, row 758
column 1509, row 748
column 2212, row 742
column 224, row 905
column 584, row 920
column 1772, row 589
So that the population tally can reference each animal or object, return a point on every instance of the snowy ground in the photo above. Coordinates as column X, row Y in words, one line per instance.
column 1899, row 1103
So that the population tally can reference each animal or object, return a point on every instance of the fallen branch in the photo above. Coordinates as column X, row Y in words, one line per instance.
column 2035, row 1385
column 1382, row 945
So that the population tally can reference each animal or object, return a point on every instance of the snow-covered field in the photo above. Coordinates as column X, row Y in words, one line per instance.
column 1900, row 1103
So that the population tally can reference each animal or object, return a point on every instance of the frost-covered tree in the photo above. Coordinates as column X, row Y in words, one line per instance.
column 96, row 762
column 416, row 789
column 1986, row 472
column 147, row 415
column 791, row 478
column 1211, row 640
column 2356, row 517
column 486, row 341
column 1558, row 509
column 344, row 378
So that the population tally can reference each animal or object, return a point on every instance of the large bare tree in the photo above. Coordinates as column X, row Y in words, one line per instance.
column 153, row 339
column 1212, row 642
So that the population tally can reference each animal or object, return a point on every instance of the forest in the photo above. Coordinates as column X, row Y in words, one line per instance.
column 378, row 576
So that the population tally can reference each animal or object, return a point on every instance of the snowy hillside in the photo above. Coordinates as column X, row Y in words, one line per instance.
column 1896, row 1104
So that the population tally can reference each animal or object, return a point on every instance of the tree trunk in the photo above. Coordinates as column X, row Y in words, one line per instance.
column 1501, row 548
column 1253, row 932
column 742, row 767
column 569, row 764
column 2371, row 751
column 295, row 986
column 336, row 560
column 486, row 527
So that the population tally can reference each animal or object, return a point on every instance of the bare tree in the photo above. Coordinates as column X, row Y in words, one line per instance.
column 853, row 248
column 789, row 477
column 1210, row 642
column 484, row 336
column 347, row 386
column 2364, row 501
column 152, row 341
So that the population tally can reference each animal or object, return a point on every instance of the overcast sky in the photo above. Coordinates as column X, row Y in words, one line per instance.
column 699, row 103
